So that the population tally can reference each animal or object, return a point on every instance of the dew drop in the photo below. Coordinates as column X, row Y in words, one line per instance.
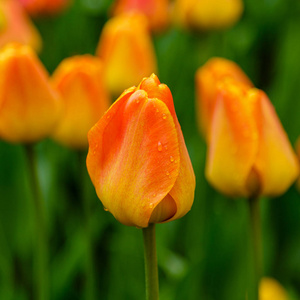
column 151, row 205
column 167, row 173
column 108, row 116
column 106, row 209
column 166, row 147
column 164, row 116
column 154, row 195
column 171, row 158
column 94, row 152
column 175, row 161
column 159, row 146
column 137, row 101
column 157, row 110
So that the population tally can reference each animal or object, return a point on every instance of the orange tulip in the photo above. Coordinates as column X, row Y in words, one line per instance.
column 29, row 107
column 156, row 11
column 15, row 26
column 249, row 153
column 207, row 14
column 79, row 80
column 207, row 78
column 137, row 159
column 127, row 52
column 271, row 289
column 44, row 7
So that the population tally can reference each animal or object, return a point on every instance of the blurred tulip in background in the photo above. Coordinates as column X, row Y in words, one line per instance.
column 271, row 289
column 44, row 7
column 207, row 14
column 137, row 159
column 29, row 106
column 80, row 83
column 206, row 80
column 249, row 153
column 156, row 11
column 15, row 26
column 127, row 51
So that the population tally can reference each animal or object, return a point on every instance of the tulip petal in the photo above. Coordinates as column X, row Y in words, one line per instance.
column 276, row 161
column 136, row 141
column 184, row 187
column 234, row 142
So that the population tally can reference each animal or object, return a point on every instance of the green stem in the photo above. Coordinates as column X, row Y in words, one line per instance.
column 256, row 241
column 152, row 291
column 87, row 215
column 41, row 239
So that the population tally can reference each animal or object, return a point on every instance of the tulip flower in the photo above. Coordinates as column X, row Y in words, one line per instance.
column 15, row 26
column 271, row 289
column 207, row 78
column 207, row 14
column 249, row 153
column 127, row 52
column 80, row 82
column 29, row 107
column 44, row 7
column 156, row 11
column 137, row 158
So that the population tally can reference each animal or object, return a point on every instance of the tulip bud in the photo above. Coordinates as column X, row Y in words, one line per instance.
column 29, row 107
column 156, row 11
column 249, row 153
column 44, row 7
column 207, row 78
column 79, row 80
column 137, row 158
column 127, row 52
column 16, row 27
column 271, row 289
column 207, row 14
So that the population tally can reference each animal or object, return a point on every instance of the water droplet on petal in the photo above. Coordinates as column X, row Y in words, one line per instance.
column 166, row 147
column 159, row 146
column 108, row 116
column 137, row 101
column 154, row 195
column 167, row 173
column 164, row 116
column 106, row 209
column 157, row 110
column 171, row 158
column 175, row 161
column 94, row 152
column 151, row 205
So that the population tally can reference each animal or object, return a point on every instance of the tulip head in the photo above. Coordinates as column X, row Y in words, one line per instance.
column 271, row 289
column 80, row 83
column 126, row 50
column 137, row 158
column 16, row 27
column 29, row 107
column 156, row 11
column 207, row 78
column 207, row 14
column 249, row 153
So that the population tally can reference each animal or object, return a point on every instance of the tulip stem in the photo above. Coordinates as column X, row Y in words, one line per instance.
column 256, row 241
column 40, row 235
column 151, row 272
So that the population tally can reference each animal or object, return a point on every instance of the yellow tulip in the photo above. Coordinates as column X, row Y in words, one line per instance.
column 271, row 289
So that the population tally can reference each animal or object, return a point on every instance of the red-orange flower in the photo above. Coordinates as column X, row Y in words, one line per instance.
column 44, row 7
column 156, row 11
column 29, row 107
column 207, row 78
column 15, row 26
column 79, row 80
column 207, row 14
column 137, row 159
column 249, row 153
column 127, row 52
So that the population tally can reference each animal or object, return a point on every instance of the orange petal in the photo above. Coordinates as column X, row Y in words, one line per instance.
column 183, row 190
column 207, row 78
column 130, row 157
column 234, row 143
column 276, row 162
column 80, row 82
column 29, row 107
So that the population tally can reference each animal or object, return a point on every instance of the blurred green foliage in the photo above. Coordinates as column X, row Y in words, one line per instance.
column 201, row 256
